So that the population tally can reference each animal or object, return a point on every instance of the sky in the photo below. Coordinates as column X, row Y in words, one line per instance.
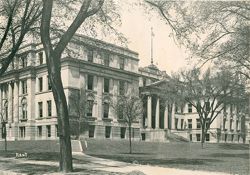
column 136, row 26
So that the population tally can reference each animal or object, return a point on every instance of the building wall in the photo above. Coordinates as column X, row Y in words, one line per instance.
column 38, row 124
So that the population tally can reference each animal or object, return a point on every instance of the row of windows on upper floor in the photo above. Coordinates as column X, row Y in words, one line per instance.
column 190, row 107
column 22, row 61
column 181, row 124
column 89, row 86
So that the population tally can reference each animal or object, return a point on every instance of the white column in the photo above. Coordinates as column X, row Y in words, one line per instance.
column 99, row 97
column 157, row 114
column 16, row 101
column 166, row 117
column 30, row 99
column 149, row 111
column 173, row 117
column 1, row 98
column 10, row 102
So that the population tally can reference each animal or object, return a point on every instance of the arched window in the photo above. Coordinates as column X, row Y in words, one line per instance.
column 24, row 108
column 6, row 110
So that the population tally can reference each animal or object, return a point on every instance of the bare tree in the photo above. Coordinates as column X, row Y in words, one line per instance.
column 18, row 19
column 88, row 9
column 208, row 93
column 4, row 131
column 77, row 108
column 130, row 109
column 218, row 34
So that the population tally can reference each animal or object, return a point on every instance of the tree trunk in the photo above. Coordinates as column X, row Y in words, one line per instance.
column 203, row 133
column 5, row 143
column 130, row 142
column 62, row 115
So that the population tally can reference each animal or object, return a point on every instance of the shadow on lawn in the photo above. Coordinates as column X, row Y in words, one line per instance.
column 234, row 146
column 144, row 161
column 243, row 156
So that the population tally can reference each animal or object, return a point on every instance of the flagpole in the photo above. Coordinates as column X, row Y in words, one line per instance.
column 152, row 35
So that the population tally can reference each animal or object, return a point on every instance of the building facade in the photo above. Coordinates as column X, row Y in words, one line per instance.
column 164, row 122
column 103, row 70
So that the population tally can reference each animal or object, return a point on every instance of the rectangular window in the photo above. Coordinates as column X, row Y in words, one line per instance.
column 22, row 131
column 90, row 82
column 49, row 108
column 198, row 123
column 57, row 131
column 207, row 137
column 144, row 81
column 189, row 108
column 224, row 123
column 24, row 61
column 89, row 107
column 237, row 125
column 91, row 131
column 40, row 83
column 106, row 59
column 189, row 123
column 182, row 122
column 231, row 124
column 49, row 84
column 40, row 57
column 48, row 127
column 176, row 109
column 123, row 132
column 107, row 131
column 40, row 109
column 176, row 123
column 105, row 110
column 39, row 131
column 198, row 137
column 24, row 86
column 122, row 63
column 90, row 55
column 121, row 87
column 106, row 85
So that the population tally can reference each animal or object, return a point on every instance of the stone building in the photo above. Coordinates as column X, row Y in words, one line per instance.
column 103, row 70
column 163, row 122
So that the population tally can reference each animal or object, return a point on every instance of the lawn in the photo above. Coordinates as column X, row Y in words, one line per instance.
column 229, row 158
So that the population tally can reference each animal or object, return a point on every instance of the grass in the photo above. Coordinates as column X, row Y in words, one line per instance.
column 229, row 158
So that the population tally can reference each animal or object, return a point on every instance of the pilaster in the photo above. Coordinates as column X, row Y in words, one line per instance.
column 149, row 111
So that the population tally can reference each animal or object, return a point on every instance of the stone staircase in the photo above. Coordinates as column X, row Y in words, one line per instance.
column 76, row 146
column 172, row 137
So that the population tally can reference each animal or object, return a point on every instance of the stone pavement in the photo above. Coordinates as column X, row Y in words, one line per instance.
column 104, row 165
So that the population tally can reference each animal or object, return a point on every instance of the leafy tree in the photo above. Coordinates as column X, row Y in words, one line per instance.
column 91, row 10
column 18, row 19
column 128, row 108
column 208, row 93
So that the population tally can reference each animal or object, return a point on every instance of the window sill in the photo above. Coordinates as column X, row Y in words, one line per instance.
column 107, row 119
column 40, row 118
column 90, row 118
column 121, row 120
column 23, row 119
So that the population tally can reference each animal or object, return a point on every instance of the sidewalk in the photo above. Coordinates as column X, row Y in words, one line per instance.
column 92, row 165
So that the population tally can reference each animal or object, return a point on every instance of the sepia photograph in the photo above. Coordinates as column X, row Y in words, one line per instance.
column 124, row 87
